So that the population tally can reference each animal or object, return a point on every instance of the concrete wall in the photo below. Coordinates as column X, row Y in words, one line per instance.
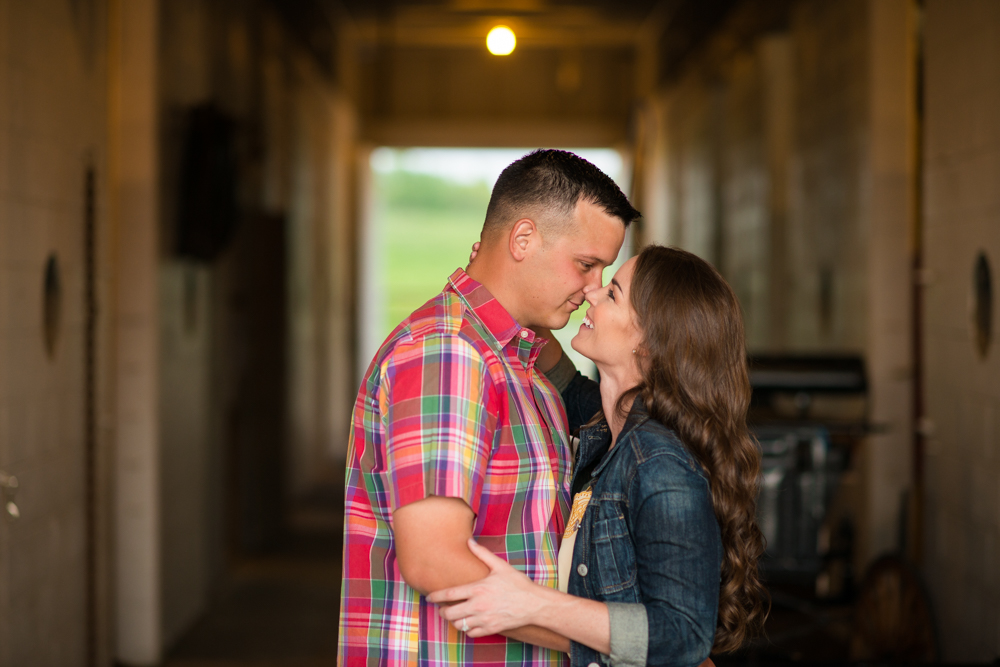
column 962, row 205
column 52, row 111
column 272, row 311
column 827, row 178
column 320, row 257
column 185, row 444
column 789, row 164
column 54, row 119
column 101, row 88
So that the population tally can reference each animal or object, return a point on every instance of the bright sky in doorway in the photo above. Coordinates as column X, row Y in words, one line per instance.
column 469, row 165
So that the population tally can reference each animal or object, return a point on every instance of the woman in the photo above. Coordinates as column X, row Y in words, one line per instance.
column 659, row 558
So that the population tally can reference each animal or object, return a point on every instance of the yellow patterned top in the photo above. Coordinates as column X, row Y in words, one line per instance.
column 580, row 503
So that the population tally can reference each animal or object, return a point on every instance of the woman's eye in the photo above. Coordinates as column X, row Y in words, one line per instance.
column 611, row 293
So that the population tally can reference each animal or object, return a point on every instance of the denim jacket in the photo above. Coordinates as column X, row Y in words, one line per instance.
column 649, row 544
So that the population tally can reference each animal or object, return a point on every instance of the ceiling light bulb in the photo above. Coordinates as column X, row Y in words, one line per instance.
column 501, row 41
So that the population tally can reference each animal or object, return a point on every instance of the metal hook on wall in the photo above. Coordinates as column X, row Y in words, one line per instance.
column 8, row 489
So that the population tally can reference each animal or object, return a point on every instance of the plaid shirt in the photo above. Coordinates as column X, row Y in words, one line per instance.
column 451, row 406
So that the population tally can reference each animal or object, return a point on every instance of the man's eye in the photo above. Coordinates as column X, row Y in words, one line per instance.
column 586, row 266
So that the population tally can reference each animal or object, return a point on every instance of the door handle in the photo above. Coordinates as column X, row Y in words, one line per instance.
column 8, row 489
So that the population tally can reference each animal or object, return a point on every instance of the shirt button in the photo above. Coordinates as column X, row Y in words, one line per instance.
column 524, row 333
column 582, row 570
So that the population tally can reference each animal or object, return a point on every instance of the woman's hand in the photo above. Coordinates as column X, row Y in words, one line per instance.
column 551, row 353
column 504, row 600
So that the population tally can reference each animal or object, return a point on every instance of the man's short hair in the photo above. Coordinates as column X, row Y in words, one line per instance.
column 549, row 183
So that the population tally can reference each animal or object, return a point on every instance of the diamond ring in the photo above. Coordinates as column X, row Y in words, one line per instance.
column 465, row 625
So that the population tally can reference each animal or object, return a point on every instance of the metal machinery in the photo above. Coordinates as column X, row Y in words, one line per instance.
column 809, row 414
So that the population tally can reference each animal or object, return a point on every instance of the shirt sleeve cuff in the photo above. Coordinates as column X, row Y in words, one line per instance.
column 562, row 373
column 629, row 634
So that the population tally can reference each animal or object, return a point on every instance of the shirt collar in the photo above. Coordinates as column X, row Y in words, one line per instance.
column 495, row 317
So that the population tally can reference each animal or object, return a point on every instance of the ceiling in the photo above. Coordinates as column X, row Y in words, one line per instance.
column 671, row 28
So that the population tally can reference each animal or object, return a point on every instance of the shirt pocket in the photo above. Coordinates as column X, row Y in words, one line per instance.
column 613, row 554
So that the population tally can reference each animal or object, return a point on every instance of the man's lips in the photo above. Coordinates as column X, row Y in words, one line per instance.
column 575, row 304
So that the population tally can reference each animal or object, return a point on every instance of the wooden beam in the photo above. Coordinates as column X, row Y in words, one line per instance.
column 484, row 132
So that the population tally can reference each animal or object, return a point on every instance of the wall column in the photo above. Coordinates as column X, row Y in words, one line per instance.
column 890, row 163
column 133, row 162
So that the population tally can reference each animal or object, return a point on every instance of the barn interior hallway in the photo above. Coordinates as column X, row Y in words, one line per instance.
column 279, row 608
column 193, row 243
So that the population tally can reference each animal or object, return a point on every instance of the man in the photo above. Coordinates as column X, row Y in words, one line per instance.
column 457, row 435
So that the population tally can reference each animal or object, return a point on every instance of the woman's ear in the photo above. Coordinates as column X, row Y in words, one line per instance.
column 523, row 235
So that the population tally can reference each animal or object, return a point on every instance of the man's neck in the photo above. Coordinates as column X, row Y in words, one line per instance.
column 489, row 271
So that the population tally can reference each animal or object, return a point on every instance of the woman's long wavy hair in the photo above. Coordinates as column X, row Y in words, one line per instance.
column 695, row 381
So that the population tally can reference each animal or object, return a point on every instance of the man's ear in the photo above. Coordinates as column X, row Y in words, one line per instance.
column 523, row 236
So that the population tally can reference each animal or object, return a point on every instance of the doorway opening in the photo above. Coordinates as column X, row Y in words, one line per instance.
column 426, row 209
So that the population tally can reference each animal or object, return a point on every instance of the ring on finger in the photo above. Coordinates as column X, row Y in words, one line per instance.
column 465, row 625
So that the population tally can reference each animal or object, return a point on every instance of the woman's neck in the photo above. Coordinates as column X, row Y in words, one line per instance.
column 614, row 383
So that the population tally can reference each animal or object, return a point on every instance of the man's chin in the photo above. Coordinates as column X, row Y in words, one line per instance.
column 558, row 321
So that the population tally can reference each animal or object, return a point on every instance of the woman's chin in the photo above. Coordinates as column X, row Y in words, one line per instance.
column 579, row 345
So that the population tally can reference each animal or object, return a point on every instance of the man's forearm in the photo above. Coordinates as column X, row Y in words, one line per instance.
column 431, row 544
column 444, row 569
column 432, row 554
column 456, row 569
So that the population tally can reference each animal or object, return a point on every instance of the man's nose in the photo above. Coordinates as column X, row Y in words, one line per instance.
column 594, row 281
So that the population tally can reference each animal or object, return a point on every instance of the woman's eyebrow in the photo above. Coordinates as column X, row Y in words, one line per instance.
column 615, row 283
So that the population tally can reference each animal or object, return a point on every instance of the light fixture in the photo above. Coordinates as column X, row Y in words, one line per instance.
column 501, row 41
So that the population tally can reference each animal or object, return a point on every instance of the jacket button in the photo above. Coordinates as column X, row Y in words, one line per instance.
column 582, row 570
column 593, row 664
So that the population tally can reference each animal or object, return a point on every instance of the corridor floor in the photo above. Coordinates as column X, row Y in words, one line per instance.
column 279, row 609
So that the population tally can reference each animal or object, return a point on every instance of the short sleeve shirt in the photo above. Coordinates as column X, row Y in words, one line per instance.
column 452, row 406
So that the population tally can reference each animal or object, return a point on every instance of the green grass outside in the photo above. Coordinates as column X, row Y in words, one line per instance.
column 422, row 249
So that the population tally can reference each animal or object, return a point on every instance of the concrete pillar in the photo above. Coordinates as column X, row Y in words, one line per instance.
column 370, row 312
column 653, row 199
column 133, row 159
column 777, row 80
column 343, row 208
column 891, row 161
